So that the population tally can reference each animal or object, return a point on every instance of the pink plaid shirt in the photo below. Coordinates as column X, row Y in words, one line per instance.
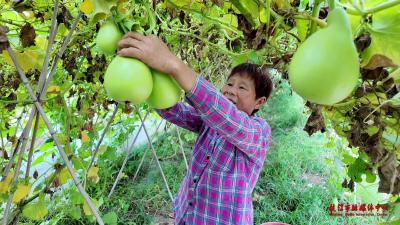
column 228, row 156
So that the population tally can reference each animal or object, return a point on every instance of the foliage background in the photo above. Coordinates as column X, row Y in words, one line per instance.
column 210, row 36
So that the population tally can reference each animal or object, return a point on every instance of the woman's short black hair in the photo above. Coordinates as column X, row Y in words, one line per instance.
column 260, row 76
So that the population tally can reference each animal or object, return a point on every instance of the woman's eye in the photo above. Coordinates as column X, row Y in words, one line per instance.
column 241, row 87
column 229, row 84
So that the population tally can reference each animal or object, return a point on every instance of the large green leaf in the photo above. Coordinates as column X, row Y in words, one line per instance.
column 37, row 210
column 368, row 193
column 101, row 9
column 385, row 39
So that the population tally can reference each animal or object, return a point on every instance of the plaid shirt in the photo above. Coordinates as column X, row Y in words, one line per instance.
column 227, row 158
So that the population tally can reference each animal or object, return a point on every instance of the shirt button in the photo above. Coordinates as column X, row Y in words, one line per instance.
column 194, row 180
column 207, row 157
column 190, row 204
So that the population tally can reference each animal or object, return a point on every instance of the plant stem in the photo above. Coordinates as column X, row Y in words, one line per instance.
column 55, row 138
column 384, row 5
column 60, row 53
column 22, row 138
column 127, row 157
column 100, row 141
column 319, row 22
column 25, row 134
column 43, row 74
column 315, row 13
column 155, row 156
column 35, row 129
column 332, row 4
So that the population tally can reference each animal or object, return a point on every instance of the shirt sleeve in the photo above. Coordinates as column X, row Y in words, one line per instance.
column 182, row 115
column 250, row 134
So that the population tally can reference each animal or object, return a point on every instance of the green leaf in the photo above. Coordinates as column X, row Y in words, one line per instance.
column 35, row 211
column 368, row 193
column 100, row 9
column 302, row 28
column 356, row 169
column 370, row 177
column 75, row 212
column 392, row 138
column 385, row 39
column 348, row 159
column 395, row 100
column 76, row 197
column 230, row 19
column 238, row 59
column 110, row 218
column 263, row 15
column 248, row 9
column 372, row 130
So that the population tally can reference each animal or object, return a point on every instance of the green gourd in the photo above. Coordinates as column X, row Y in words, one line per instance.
column 108, row 37
column 128, row 79
column 166, row 92
column 325, row 68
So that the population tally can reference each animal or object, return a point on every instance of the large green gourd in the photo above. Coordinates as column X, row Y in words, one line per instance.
column 166, row 92
column 128, row 79
column 325, row 68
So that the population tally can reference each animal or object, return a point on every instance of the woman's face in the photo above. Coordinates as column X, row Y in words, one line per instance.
column 240, row 89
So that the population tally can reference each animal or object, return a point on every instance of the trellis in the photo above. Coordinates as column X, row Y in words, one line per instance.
column 37, row 112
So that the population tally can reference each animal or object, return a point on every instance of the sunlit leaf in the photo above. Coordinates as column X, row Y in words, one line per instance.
column 87, row 6
column 102, row 149
column 30, row 58
column 5, row 184
column 54, row 89
column 35, row 211
column 101, row 9
column 248, row 9
column 93, row 174
column 85, row 138
column 64, row 176
column 263, row 15
column 86, row 208
column 230, row 19
column 385, row 39
column 302, row 28
column 21, row 192
column 368, row 193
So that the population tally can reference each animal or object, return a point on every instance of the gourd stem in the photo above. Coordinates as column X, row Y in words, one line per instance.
column 332, row 4
column 382, row 6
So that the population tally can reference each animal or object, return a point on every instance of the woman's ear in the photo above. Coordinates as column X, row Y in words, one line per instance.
column 260, row 102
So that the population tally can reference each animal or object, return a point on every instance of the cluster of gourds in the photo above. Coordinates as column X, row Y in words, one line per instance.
column 324, row 69
column 129, row 79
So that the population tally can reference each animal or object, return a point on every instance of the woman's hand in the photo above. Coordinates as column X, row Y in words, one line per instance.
column 156, row 54
column 150, row 50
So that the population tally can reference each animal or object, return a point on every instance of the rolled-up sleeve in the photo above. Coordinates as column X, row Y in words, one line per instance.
column 182, row 115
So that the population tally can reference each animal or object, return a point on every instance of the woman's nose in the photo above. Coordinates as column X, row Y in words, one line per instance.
column 230, row 91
